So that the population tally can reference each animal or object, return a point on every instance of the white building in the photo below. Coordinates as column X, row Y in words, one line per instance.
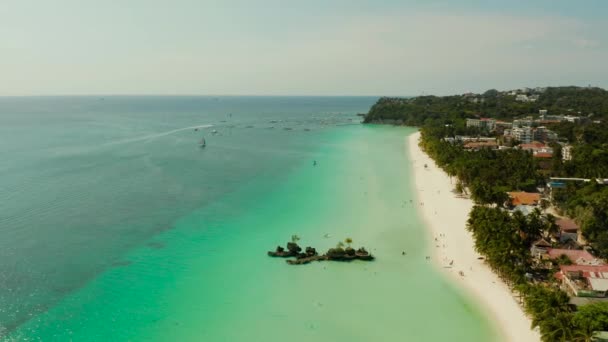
column 522, row 123
column 483, row 123
column 525, row 135
column 571, row 118
column 567, row 152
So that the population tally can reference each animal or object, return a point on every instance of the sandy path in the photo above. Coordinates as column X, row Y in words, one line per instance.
column 446, row 215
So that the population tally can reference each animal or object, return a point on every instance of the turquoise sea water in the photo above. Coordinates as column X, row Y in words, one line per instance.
column 117, row 226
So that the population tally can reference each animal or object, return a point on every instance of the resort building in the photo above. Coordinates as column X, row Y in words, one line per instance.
column 569, row 230
column 478, row 145
column 584, row 280
column 522, row 134
column 528, row 122
column 540, row 249
column 543, row 134
column 483, row 123
column 577, row 256
column 567, row 152
column 466, row 139
column 571, row 118
column 523, row 198
column 527, row 134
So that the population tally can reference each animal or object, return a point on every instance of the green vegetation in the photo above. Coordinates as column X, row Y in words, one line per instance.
column 488, row 174
column 504, row 238
column 422, row 110
column 590, row 154
column 588, row 204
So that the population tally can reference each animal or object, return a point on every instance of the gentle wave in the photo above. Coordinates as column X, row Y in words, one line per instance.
column 157, row 135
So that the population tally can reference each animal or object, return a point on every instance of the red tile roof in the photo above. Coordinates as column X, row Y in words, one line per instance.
column 583, row 268
column 525, row 198
column 532, row 146
column 479, row 144
column 572, row 254
column 543, row 155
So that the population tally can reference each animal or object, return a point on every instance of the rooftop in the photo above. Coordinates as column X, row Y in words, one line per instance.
column 580, row 257
column 584, row 268
column 567, row 225
column 525, row 198
column 480, row 144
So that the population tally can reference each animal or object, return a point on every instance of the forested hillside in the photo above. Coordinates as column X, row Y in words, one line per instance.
column 580, row 101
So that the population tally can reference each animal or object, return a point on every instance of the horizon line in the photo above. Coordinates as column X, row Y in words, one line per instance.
column 193, row 95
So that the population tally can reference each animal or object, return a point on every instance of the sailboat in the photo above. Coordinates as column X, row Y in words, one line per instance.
column 202, row 143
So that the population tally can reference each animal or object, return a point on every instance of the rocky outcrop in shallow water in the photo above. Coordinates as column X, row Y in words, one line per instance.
column 310, row 254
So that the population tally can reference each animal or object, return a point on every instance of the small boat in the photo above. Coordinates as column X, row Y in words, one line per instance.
column 214, row 131
column 203, row 143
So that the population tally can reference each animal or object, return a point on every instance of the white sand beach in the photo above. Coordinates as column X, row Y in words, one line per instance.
column 445, row 215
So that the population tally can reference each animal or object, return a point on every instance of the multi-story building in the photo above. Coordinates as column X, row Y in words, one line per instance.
column 567, row 152
column 524, row 135
column 500, row 126
column 543, row 134
column 571, row 118
column 483, row 123
column 528, row 122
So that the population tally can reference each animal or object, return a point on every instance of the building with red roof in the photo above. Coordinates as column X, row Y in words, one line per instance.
column 584, row 280
column 577, row 256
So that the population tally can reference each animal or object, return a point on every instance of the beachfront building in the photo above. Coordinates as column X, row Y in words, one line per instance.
column 567, row 152
column 576, row 256
column 569, row 230
column 483, row 123
column 465, row 139
column 529, row 134
column 584, row 280
column 523, row 198
column 478, row 145
column 540, row 249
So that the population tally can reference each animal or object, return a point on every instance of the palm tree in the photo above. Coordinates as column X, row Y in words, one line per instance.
column 348, row 241
column 340, row 245
column 295, row 238
column 583, row 334
column 557, row 328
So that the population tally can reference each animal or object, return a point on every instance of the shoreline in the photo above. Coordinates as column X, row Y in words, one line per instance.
column 452, row 248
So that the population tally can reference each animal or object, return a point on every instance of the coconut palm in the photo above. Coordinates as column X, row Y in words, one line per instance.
column 295, row 238
column 348, row 241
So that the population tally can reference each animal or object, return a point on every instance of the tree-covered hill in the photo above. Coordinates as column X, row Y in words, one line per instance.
column 416, row 111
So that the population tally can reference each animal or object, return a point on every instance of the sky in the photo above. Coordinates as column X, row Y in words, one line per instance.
column 285, row 47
